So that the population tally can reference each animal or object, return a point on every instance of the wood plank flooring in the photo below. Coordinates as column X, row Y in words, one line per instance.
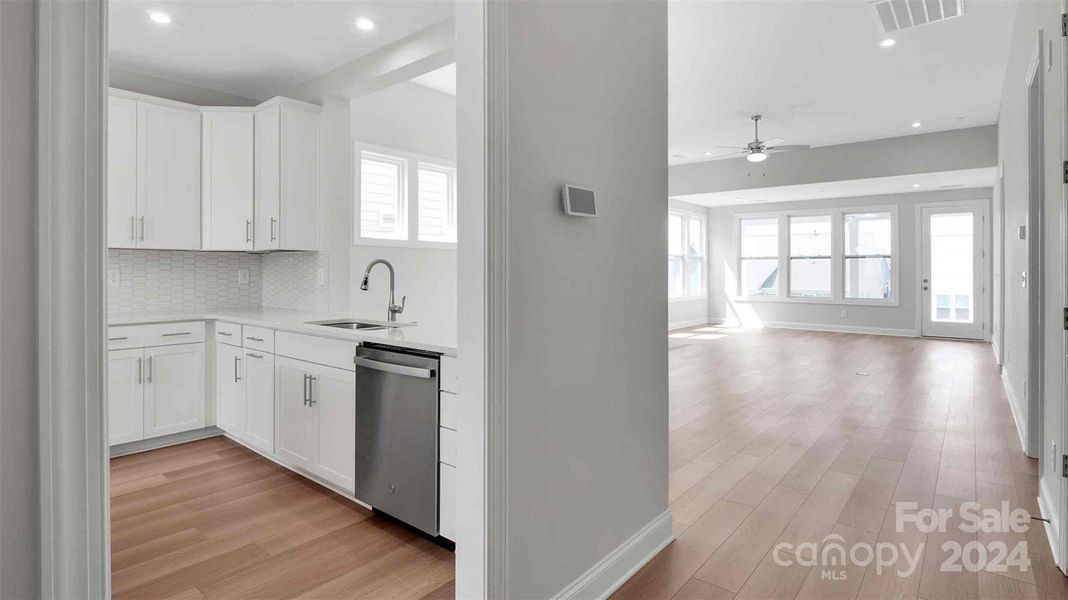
column 775, row 437
column 212, row 519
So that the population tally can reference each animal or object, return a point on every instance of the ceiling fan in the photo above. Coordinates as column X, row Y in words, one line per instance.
column 756, row 150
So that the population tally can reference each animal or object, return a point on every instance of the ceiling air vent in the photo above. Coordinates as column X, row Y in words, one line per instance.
column 895, row 15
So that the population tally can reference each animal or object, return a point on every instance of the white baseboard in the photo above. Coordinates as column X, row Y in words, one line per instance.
column 163, row 441
column 1019, row 414
column 1053, row 527
column 614, row 570
column 688, row 323
column 997, row 351
column 842, row 328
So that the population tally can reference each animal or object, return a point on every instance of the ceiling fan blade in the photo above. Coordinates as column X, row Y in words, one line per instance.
column 788, row 147
column 773, row 141
column 735, row 153
column 732, row 147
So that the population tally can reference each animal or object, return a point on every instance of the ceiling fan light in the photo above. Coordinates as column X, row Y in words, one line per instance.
column 756, row 156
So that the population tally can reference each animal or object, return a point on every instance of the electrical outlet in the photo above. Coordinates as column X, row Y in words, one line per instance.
column 242, row 276
column 320, row 277
column 114, row 278
column 843, row 314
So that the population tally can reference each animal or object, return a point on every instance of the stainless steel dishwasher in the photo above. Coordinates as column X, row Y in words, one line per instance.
column 397, row 434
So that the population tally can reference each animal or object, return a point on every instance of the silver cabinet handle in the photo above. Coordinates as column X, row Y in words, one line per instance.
column 178, row 333
column 306, row 399
column 248, row 231
column 224, row 333
column 255, row 339
column 150, row 369
column 140, row 376
column 273, row 221
column 392, row 368
column 118, row 339
column 142, row 229
column 253, row 355
column 236, row 376
column 311, row 390
column 133, row 228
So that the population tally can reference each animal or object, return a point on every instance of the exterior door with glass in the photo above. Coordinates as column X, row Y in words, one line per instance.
column 951, row 267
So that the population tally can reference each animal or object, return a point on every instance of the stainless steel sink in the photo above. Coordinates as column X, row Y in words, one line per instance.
column 361, row 325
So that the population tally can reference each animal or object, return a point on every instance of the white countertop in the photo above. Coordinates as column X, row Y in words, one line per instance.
column 429, row 337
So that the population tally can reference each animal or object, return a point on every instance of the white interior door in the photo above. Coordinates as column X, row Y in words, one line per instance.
column 951, row 281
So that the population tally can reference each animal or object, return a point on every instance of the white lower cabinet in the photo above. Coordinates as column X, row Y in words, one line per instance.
column 316, row 420
column 230, row 389
column 125, row 396
column 155, row 391
column 259, row 400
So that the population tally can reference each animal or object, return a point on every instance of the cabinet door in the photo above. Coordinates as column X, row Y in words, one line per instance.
column 268, row 151
column 299, row 209
column 259, row 400
column 168, row 177
column 174, row 389
column 333, row 393
column 295, row 418
column 122, row 172
column 230, row 389
column 226, row 159
column 125, row 397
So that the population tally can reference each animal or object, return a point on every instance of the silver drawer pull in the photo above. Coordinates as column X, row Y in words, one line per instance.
column 178, row 333
column 223, row 333
column 253, row 355
column 392, row 368
column 118, row 339
column 255, row 339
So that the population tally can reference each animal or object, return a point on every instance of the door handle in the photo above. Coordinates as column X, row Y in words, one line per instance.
column 393, row 368
column 236, row 377
column 133, row 228
column 253, row 355
column 273, row 221
column 149, row 379
column 178, row 333
column 248, row 231
column 311, row 390
column 140, row 376
column 306, row 376
column 142, row 229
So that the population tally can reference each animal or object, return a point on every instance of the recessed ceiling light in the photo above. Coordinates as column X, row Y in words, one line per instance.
column 916, row 124
column 915, row 185
column 159, row 17
column 888, row 42
column 365, row 24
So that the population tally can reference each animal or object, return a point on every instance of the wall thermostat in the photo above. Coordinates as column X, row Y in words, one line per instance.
column 578, row 202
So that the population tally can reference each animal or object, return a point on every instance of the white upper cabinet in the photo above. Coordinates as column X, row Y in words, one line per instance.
column 122, row 172
column 287, row 175
column 168, row 177
column 227, row 179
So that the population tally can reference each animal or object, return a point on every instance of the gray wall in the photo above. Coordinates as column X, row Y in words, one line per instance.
column 587, row 360
column 19, row 515
column 925, row 153
column 1013, row 151
column 899, row 319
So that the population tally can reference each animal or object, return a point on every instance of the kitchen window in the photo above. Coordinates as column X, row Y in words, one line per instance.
column 759, row 256
column 810, row 256
column 404, row 199
column 686, row 255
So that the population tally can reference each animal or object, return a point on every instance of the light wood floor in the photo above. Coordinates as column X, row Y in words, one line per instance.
column 211, row 519
column 774, row 437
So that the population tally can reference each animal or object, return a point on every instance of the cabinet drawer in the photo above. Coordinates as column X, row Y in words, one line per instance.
column 447, row 446
column 157, row 334
column 447, row 501
column 450, row 375
column 258, row 338
column 447, row 410
column 228, row 333
column 323, row 351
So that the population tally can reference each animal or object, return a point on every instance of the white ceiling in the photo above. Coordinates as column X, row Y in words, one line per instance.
column 876, row 186
column 817, row 73
column 442, row 80
column 257, row 48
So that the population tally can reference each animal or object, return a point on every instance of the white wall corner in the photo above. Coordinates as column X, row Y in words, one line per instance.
column 612, row 571
column 1018, row 412
column 1046, row 502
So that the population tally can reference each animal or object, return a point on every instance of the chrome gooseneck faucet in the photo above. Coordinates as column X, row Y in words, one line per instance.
column 394, row 310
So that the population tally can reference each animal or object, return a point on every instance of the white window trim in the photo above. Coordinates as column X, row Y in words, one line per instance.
column 703, row 218
column 837, row 257
column 411, row 208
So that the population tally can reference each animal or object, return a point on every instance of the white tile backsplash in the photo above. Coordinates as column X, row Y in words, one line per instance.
column 151, row 281
column 291, row 280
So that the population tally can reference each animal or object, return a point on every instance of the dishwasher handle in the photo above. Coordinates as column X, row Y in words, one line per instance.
column 393, row 368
